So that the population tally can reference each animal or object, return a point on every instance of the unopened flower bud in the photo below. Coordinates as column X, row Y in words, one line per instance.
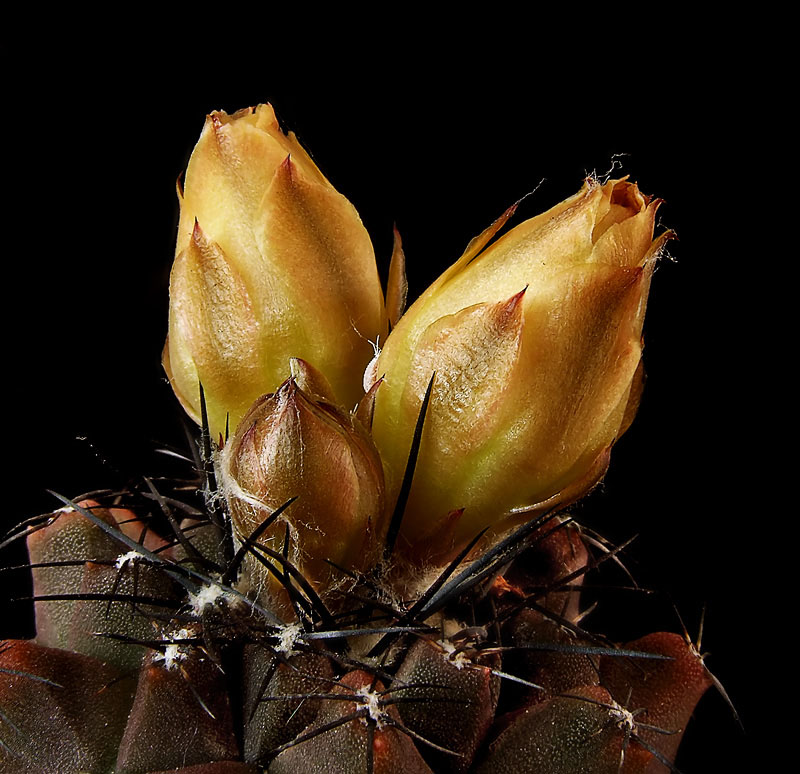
column 295, row 444
column 535, row 343
column 271, row 263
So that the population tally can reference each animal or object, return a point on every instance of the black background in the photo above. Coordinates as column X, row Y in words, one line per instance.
column 93, row 152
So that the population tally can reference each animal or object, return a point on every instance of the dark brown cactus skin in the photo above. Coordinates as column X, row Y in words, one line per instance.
column 564, row 735
column 79, row 624
column 72, row 723
column 355, row 745
column 269, row 720
column 221, row 767
column 69, row 536
column 448, row 702
column 667, row 690
column 552, row 671
column 149, row 677
column 168, row 726
column 559, row 553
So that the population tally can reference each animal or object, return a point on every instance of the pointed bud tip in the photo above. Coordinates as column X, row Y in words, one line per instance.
column 197, row 233
column 288, row 387
column 216, row 120
column 506, row 311
column 516, row 298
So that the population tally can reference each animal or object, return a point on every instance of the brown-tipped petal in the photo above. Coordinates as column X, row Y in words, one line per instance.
column 579, row 362
column 625, row 235
column 215, row 331
column 473, row 249
column 311, row 380
column 500, row 439
column 294, row 445
column 366, row 406
column 527, row 256
column 306, row 230
column 229, row 169
column 475, row 354
column 397, row 285
column 271, row 263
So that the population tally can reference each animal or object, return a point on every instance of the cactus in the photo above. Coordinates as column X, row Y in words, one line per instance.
column 395, row 587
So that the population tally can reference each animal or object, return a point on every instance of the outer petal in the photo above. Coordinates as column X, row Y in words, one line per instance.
column 214, row 332
column 580, row 358
column 272, row 264
column 546, row 424
column 475, row 354
column 307, row 231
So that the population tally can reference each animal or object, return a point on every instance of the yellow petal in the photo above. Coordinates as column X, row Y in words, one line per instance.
column 475, row 355
column 535, row 423
column 215, row 329
column 294, row 256
column 306, row 230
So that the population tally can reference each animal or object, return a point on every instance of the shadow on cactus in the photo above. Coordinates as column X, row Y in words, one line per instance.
column 369, row 565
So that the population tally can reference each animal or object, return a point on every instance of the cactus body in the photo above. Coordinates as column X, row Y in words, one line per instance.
column 179, row 671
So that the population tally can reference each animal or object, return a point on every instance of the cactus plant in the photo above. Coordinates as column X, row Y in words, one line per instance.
column 392, row 587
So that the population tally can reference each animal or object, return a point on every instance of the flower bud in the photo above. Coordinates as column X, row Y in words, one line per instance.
column 535, row 343
column 271, row 263
column 295, row 444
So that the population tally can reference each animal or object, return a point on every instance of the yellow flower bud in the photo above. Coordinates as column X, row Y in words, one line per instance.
column 271, row 263
column 294, row 443
column 535, row 343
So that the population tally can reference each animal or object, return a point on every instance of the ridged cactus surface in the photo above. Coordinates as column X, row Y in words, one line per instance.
column 167, row 666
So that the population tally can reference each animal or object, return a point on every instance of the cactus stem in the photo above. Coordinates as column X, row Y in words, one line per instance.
column 290, row 570
column 104, row 597
column 414, row 735
column 197, row 696
column 696, row 649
